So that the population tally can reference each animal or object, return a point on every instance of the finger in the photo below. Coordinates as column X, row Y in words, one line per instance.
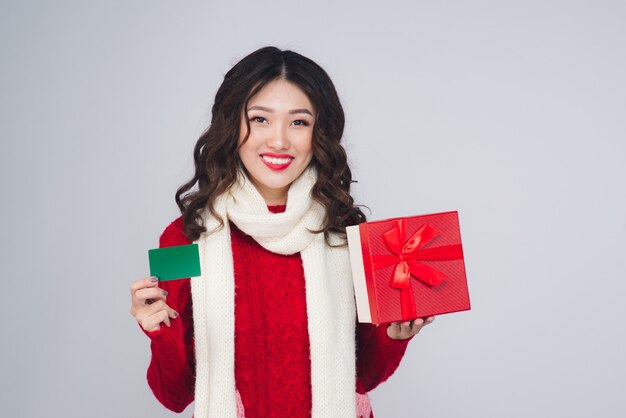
column 149, row 281
column 146, row 311
column 429, row 320
column 157, row 307
column 171, row 313
column 155, row 293
column 416, row 326
column 147, row 297
column 146, row 283
column 166, row 314
column 393, row 330
column 158, row 310
column 406, row 330
column 153, row 322
column 165, row 318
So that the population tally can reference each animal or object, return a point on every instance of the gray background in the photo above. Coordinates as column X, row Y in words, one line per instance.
column 511, row 112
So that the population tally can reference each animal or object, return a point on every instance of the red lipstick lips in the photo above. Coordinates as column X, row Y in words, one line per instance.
column 276, row 162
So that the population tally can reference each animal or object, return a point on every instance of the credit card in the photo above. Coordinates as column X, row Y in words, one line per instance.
column 178, row 262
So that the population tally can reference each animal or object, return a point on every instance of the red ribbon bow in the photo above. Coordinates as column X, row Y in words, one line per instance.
column 407, row 257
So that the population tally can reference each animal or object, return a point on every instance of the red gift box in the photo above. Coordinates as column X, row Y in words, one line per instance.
column 407, row 268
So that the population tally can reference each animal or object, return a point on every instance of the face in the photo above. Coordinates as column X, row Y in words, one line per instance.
column 279, row 147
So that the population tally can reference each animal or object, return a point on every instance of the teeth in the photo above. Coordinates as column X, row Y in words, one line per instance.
column 277, row 161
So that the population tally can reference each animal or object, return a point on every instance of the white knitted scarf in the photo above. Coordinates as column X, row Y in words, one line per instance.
column 329, row 296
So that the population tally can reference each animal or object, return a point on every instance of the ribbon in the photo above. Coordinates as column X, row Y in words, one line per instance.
column 407, row 256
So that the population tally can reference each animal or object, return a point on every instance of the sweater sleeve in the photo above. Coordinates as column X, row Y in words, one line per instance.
column 377, row 355
column 171, row 373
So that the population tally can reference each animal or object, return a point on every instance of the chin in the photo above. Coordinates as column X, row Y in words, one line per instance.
column 277, row 185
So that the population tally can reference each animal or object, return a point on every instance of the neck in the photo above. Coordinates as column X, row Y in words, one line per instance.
column 272, row 196
column 278, row 201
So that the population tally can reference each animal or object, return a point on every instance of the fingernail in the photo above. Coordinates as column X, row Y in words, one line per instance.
column 175, row 314
column 154, row 279
column 165, row 293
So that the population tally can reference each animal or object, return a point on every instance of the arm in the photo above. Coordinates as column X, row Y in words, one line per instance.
column 377, row 355
column 171, row 373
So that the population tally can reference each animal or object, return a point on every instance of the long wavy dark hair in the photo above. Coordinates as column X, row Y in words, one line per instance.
column 216, row 152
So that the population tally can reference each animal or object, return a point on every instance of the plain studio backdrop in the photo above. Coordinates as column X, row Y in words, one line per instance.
column 512, row 113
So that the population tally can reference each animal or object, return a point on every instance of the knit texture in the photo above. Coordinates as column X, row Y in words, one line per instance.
column 270, row 302
column 272, row 364
column 330, row 302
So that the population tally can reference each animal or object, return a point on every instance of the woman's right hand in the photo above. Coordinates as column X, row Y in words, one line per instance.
column 148, row 304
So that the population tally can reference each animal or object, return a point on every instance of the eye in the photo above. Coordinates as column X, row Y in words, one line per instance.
column 259, row 119
column 301, row 122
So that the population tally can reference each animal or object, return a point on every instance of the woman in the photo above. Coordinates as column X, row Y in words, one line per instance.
column 270, row 328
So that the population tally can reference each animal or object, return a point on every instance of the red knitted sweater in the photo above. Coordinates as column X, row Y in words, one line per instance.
column 272, row 361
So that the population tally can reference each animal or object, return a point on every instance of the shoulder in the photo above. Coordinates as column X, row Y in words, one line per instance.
column 174, row 234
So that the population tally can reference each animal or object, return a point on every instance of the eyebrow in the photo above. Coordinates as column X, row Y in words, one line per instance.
column 291, row 112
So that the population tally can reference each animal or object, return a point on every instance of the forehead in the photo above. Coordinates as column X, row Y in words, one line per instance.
column 280, row 94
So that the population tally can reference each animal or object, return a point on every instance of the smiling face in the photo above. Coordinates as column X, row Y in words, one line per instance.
column 279, row 147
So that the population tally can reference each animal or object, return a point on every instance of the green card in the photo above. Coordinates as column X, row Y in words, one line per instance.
column 177, row 262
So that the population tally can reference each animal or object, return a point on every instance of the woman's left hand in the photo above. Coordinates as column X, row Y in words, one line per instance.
column 407, row 329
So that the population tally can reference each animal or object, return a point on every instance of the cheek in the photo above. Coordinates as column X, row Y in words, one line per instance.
column 309, row 147
column 309, row 152
column 255, row 138
column 243, row 131
column 250, row 144
column 246, row 152
column 305, row 142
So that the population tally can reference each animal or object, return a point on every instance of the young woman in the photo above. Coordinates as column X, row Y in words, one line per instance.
column 270, row 328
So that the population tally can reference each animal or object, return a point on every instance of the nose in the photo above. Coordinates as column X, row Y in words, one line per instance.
column 278, row 138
